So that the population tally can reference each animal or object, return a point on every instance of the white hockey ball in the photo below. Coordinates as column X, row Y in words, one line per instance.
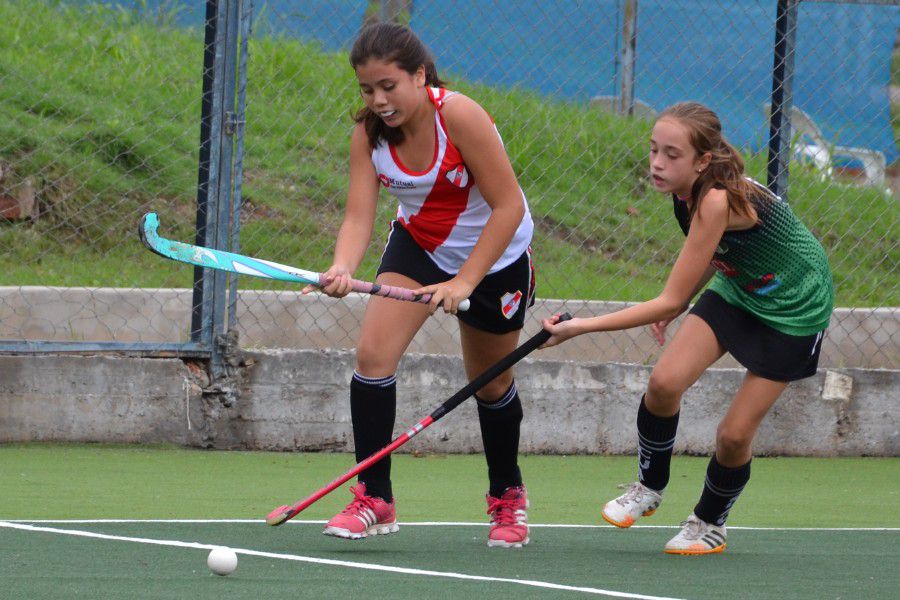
column 222, row 561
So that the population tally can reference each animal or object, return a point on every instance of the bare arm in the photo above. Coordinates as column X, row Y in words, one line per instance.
column 689, row 274
column 710, row 271
column 359, row 217
column 658, row 329
column 473, row 133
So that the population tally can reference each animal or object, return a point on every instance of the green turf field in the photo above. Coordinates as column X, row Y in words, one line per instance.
column 804, row 528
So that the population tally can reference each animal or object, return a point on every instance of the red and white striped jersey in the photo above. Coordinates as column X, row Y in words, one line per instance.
column 442, row 207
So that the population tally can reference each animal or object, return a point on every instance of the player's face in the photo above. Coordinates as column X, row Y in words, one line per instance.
column 673, row 160
column 389, row 91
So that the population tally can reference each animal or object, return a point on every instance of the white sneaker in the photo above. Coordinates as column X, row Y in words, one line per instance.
column 639, row 501
column 697, row 537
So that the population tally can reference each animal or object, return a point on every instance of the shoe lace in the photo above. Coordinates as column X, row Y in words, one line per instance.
column 502, row 510
column 693, row 528
column 360, row 501
column 634, row 494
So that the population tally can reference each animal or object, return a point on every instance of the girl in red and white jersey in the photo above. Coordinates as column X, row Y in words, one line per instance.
column 462, row 230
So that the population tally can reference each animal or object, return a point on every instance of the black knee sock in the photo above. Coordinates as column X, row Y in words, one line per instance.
column 721, row 490
column 500, row 422
column 373, row 407
column 656, row 437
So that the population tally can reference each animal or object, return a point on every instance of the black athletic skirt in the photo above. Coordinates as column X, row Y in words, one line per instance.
column 764, row 351
column 498, row 303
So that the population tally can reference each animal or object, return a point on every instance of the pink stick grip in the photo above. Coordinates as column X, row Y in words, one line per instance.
column 395, row 292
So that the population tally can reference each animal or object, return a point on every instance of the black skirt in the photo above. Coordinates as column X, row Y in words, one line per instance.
column 498, row 303
column 764, row 351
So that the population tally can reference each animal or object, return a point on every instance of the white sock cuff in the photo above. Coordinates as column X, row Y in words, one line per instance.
column 375, row 381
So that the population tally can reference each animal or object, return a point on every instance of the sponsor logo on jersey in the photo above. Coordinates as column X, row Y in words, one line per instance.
column 458, row 176
column 763, row 285
column 390, row 182
column 725, row 268
column 509, row 303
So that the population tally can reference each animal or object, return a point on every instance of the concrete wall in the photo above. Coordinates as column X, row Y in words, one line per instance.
column 859, row 337
column 297, row 400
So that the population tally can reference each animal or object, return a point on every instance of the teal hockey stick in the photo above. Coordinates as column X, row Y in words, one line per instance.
column 255, row 267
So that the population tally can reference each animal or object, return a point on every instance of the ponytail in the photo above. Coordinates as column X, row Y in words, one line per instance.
column 725, row 171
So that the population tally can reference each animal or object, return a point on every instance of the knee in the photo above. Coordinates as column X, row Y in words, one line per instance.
column 664, row 387
column 732, row 440
column 495, row 390
column 373, row 362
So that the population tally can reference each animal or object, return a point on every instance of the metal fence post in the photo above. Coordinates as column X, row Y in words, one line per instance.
column 239, row 121
column 395, row 11
column 214, row 172
column 629, row 54
column 782, row 97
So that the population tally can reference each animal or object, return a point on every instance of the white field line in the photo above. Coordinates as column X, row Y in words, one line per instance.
column 334, row 563
column 437, row 524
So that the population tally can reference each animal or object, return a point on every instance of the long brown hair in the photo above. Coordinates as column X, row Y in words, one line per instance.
column 726, row 167
column 391, row 43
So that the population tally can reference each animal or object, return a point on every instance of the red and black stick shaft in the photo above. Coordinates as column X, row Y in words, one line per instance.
column 285, row 513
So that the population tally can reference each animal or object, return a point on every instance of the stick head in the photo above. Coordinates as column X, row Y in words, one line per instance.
column 147, row 229
column 278, row 516
column 149, row 223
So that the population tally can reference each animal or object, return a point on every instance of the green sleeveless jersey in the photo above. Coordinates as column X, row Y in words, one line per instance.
column 776, row 270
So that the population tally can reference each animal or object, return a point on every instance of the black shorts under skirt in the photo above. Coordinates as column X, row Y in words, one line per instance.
column 764, row 351
column 498, row 303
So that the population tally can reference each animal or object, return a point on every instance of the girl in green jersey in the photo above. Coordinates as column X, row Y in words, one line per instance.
column 768, row 305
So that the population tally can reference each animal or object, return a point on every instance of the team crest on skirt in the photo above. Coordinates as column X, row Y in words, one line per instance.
column 458, row 176
column 509, row 303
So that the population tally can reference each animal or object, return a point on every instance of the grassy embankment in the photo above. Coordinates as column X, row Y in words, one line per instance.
column 100, row 110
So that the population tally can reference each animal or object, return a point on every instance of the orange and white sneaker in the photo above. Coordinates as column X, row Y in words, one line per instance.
column 697, row 537
column 364, row 516
column 509, row 518
column 639, row 501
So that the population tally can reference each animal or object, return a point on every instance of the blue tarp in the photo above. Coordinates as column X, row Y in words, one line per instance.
column 714, row 51
column 718, row 53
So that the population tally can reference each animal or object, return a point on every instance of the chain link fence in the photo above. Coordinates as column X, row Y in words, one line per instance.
column 99, row 109
column 101, row 104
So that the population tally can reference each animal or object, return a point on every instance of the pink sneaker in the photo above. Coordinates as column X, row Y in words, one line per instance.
column 509, row 521
column 364, row 516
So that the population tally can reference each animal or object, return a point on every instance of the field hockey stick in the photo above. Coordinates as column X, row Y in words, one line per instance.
column 284, row 513
column 244, row 265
